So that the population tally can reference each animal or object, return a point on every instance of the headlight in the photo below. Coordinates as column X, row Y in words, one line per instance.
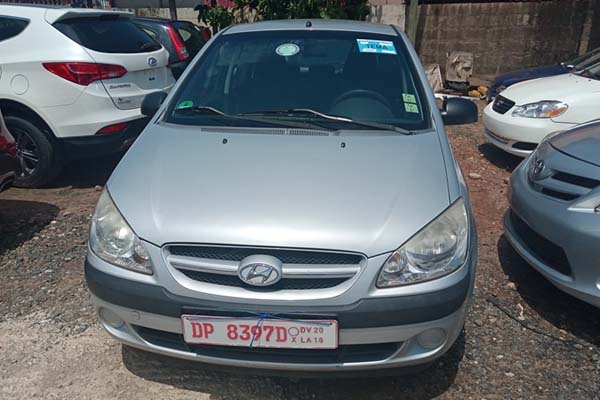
column 437, row 250
column 541, row 109
column 114, row 241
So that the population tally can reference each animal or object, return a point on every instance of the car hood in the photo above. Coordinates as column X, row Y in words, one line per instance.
column 582, row 142
column 367, row 193
column 558, row 87
column 531, row 73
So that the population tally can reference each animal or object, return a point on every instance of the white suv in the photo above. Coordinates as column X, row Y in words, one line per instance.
column 72, row 83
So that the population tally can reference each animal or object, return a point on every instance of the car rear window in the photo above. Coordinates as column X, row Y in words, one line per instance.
column 108, row 35
column 11, row 27
column 191, row 36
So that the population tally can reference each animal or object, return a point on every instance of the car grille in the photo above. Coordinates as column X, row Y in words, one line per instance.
column 543, row 249
column 565, row 186
column 502, row 104
column 284, row 255
column 301, row 269
column 284, row 284
column 576, row 180
column 343, row 354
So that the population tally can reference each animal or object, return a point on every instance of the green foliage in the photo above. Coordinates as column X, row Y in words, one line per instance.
column 283, row 9
column 219, row 17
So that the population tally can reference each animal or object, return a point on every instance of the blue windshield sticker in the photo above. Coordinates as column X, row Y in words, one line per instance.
column 376, row 46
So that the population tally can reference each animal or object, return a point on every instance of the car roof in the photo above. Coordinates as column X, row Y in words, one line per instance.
column 154, row 20
column 315, row 24
column 53, row 12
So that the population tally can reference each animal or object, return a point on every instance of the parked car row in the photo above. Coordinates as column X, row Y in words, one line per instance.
column 554, row 216
column 293, row 202
column 525, row 113
column 182, row 39
column 72, row 80
column 570, row 66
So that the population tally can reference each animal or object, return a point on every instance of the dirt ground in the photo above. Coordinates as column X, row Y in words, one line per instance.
column 523, row 338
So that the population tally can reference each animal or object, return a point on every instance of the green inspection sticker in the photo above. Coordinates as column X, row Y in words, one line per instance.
column 185, row 104
column 411, row 108
column 409, row 98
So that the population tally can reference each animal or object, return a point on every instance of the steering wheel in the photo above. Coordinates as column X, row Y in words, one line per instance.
column 370, row 94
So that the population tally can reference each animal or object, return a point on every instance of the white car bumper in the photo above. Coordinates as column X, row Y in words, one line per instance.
column 517, row 135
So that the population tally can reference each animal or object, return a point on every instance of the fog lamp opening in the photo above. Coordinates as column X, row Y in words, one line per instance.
column 432, row 338
column 111, row 318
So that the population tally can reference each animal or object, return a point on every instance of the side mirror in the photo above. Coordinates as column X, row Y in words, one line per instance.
column 457, row 111
column 152, row 103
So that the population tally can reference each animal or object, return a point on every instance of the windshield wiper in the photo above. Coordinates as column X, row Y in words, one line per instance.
column 202, row 110
column 294, row 112
column 149, row 46
column 246, row 117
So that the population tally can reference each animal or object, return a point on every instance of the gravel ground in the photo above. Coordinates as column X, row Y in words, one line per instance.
column 523, row 337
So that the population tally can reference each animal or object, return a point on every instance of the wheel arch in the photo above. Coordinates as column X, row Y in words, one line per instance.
column 15, row 108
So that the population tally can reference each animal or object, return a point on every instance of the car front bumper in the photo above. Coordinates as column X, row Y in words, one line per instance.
column 516, row 135
column 374, row 333
column 576, row 233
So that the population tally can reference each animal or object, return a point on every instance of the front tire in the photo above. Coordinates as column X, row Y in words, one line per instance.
column 38, row 158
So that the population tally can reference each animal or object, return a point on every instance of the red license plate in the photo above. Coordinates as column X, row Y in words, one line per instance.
column 260, row 332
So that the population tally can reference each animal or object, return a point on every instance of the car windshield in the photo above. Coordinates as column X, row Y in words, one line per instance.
column 585, row 60
column 592, row 72
column 307, row 76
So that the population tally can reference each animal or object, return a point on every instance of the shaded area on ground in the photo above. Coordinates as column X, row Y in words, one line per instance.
column 556, row 307
column 217, row 381
column 86, row 173
column 499, row 158
column 21, row 220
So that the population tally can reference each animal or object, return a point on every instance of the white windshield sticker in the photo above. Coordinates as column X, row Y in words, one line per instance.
column 287, row 49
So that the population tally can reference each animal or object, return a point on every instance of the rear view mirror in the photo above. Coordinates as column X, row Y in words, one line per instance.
column 457, row 111
column 152, row 103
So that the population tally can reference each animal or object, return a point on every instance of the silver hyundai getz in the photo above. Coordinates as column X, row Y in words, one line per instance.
column 292, row 205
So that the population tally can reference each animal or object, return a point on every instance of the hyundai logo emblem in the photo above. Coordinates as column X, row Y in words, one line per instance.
column 153, row 62
column 260, row 270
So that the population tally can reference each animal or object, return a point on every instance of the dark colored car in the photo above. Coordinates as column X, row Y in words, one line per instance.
column 8, row 157
column 182, row 39
column 577, row 64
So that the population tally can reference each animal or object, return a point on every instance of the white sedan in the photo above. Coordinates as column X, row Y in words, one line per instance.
column 525, row 113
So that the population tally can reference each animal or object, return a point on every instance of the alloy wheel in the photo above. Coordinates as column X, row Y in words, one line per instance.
column 27, row 152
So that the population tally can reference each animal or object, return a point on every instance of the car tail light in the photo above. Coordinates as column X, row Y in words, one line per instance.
column 115, row 128
column 83, row 73
column 7, row 143
column 180, row 49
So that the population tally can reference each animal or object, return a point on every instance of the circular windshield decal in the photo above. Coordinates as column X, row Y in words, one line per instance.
column 287, row 49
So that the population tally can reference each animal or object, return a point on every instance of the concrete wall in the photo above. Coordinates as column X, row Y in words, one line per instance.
column 388, row 12
column 503, row 36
